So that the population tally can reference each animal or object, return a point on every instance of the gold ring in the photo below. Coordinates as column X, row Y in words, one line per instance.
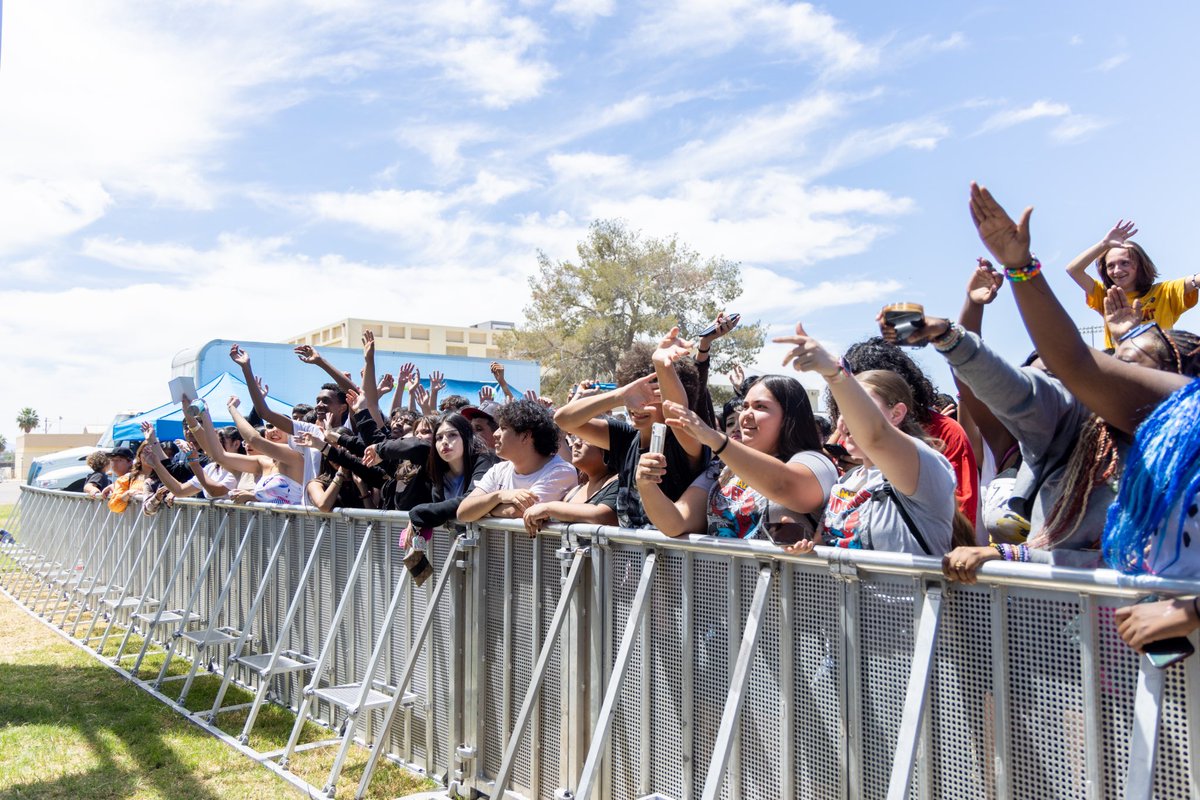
column 960, row 565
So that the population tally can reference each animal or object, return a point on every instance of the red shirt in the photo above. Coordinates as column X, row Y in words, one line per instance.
column 960, row 455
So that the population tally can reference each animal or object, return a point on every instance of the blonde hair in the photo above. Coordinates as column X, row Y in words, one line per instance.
column 892, row 389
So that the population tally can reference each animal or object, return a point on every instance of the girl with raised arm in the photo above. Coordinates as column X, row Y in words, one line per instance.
column 282, row 468
column 1125, row 267
column 902, row 497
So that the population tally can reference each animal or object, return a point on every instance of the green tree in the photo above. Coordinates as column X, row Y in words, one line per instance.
column 3, row 443
column 27, row 420
column 584, row 314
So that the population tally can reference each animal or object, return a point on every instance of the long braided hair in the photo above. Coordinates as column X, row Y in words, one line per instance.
column 1162, row 471
column 1093, row 462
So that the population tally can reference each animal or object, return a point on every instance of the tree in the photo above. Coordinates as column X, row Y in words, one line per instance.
column 27, row 420
column 584, row 315
column 3, row 443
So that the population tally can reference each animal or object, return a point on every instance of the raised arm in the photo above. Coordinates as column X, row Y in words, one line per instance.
column 498, row 374
column 242, row 359
column 404, row 379
column 437, row 382
column 1115, row 237
column 579, row 415
column 276, row 450
column 888, row 447
column 670, row 349
column 793, row 486
column 309, row 355
column 985, row 283
column 686, row 515
column 370, row 390
column 153, row 455
column 1120, row 393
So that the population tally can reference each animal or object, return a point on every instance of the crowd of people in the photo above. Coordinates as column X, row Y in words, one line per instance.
column 1077, row 457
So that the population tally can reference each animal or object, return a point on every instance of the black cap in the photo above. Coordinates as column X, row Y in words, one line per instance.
column 121, row 452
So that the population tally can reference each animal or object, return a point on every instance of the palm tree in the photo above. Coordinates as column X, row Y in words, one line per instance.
column 27, row 420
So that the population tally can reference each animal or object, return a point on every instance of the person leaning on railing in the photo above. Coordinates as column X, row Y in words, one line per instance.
column 902, row 497
column 1154, row 525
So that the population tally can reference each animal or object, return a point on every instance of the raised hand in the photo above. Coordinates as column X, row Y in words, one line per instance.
column 306, row 353
column 724, row 326
column 407, row 375
column 1120, row 233
column 234, row 401
column 1120, row 315
column 355, row 400
column 671, row 348
column 486, row 395
column 930, row 328
column 651, row 468
column 984, row 284
column 262, row 387
column 148, row 432
column 1008, row 241
column 386, row 384
column 586, row 389
column 371, row 456
column 808, row 355
column 498, row 371
column 308, row 440
column 737, row 376
column 682, row 418
column 531, row 395
column 368, row 343
column 239, row 356
column 421, row 395
column 437, row 381
column 641, row 393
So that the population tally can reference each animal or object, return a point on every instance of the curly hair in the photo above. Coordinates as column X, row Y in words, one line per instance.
column 453, row 402
column 530, row 416
column 636, row 363
column 98, row 461
column 877, row 353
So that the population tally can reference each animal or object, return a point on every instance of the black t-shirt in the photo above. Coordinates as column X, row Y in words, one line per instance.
column 624, row 450
column 98, row 479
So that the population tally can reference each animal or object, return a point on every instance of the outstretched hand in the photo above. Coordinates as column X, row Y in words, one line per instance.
column 486, row 394
column 497, row 371
column 239, row 356
column 723, row 326
column 641, row 393
column 386, row 384
column 306, row 353
column 671, row 348
column 407, row 375
column 737, row 376
column 437, row 381
column 1008, row 241
column 148, row 432
column 984, row 284
column 808, row 355
column 368, row 343
column 1120, row 315
column 1120, row 233
column 930, row 328
column 234, row 401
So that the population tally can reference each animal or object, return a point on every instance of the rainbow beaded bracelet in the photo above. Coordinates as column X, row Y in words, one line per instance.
column 1019, row 274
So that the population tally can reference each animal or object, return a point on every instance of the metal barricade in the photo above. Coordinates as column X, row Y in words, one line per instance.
column 606, row 663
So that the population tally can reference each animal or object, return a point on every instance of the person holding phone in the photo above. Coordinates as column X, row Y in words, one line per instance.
column 773, row 483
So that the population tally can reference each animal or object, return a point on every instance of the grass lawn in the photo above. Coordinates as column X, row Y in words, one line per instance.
column 72, row 728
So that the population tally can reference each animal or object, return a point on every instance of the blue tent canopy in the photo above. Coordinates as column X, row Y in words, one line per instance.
column 168, row 419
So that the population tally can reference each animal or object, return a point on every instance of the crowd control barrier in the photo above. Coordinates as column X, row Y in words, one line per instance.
column 598, row 662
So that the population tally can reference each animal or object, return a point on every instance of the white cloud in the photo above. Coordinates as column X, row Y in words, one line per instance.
column 716, row 26
column 858, row 146
column 1016, row 116
column 496, row 67
column 583, row 12
column 1111, row 63
column 1075, row 127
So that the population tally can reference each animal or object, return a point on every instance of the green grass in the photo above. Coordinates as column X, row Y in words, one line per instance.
column 72, row 728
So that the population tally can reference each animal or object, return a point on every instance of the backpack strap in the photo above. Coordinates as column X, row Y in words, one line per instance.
column 887, row 491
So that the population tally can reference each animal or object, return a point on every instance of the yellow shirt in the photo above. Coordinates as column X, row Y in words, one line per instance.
column 1164, row 303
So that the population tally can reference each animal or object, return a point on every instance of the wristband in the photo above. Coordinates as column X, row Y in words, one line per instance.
column 1021, row 274
column 721, row 449
column 703, row 349
column 949, row 340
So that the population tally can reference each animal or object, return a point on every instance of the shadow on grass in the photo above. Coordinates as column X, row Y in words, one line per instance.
column 101, row 715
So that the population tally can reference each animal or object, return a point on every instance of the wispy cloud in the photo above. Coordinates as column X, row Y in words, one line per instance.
column 1076, row 127
column 1017, row 116
column 1111, row 63
column 583, row 12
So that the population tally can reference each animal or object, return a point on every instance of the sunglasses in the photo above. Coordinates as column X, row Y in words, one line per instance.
column 1146, row 327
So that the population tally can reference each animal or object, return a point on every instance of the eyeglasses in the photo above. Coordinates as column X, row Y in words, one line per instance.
column 1166, row 340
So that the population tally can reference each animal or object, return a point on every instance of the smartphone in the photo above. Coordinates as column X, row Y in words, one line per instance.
column 733, row 320
column 658, row 437
column 1166, row 652
column 906, row 318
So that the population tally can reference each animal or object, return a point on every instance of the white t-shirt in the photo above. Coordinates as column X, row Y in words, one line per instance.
column 215, row 474
column 549, row 483
column 312, row 457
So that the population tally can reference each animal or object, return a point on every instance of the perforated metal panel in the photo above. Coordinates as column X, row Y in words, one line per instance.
column 817, row 735
column 710, row 659
column 625, row 571
column 885, row 654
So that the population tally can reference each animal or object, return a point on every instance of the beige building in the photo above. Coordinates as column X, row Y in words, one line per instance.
column 408, row 337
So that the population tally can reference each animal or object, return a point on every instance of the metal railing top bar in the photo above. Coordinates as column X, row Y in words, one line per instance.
column 999, row 573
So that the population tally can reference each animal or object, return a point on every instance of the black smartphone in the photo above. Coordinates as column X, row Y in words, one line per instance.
column 733, row 320
column 1166, row 652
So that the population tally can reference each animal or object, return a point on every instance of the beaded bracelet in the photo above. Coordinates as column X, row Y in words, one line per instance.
column 1020, row 274
column 1012, row 552
column 950, row 339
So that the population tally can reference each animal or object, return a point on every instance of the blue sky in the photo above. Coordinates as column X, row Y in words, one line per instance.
column 173, row 173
